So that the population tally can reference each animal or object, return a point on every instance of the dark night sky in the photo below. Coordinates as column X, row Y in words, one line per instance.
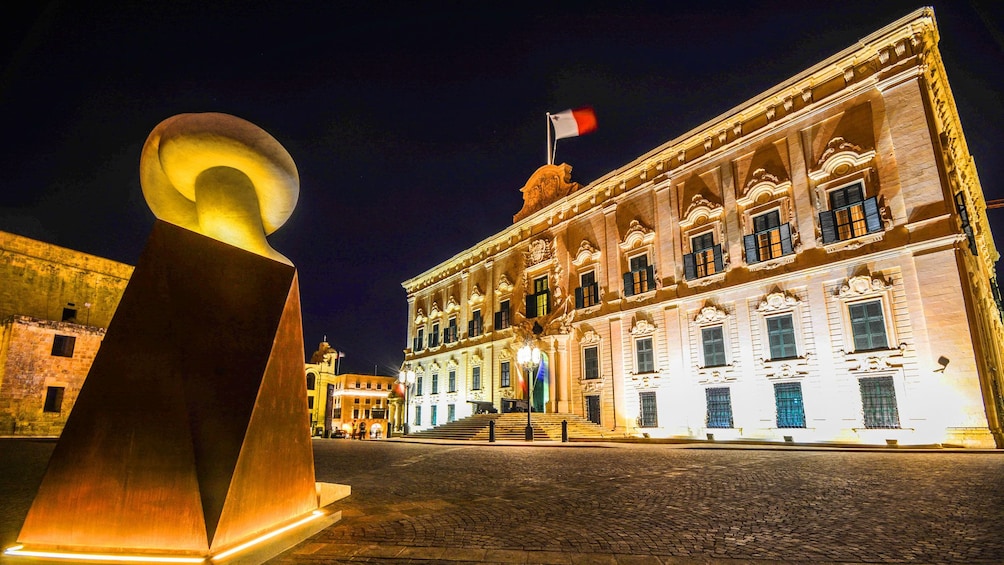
column 413, row 125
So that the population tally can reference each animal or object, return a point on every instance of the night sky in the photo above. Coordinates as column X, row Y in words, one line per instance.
column 413, row 124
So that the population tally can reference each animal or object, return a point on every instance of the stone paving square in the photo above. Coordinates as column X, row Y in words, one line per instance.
column 545, row 503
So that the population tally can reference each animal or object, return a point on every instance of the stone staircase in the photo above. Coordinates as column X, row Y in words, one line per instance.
column 512, row 426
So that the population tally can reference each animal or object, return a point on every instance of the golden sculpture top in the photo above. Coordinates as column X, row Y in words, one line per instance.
column 220, row 176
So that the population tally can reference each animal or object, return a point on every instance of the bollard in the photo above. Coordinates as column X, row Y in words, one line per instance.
column 564, row 431
column 491, row 431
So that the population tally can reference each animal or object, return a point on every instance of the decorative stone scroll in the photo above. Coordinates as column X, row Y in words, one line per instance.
column 435, row 312
column 637, row 234
column 700, row 206
column 540, row 251
column 420, row 317
column 504, row 286
column 451, row 305
column 590, row 337
column 546, row 186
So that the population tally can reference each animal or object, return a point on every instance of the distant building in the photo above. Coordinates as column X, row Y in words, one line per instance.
column 815, row 264
column 55, row 305
column 345, row 401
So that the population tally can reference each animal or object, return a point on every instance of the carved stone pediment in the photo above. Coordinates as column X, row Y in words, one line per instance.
column 452, row 363
column 591, row 385
column 505, row 354
column 839, row 158
column 476, row 358
column 434, row 367
column 420, row 317
column 777, row 301
column 546, row 186
column 763, row 186
column 710, row 314
column 451, row 305
column 700, row 207
column 642, row 327
column 420, row 369
column 587, row 253
column 637, row 234
column 862, row 285
column 477, row 297
column 435, row 312
column 504, row 286
column 590, row 337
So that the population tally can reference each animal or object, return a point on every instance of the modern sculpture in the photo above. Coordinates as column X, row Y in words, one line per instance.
column 190, row 437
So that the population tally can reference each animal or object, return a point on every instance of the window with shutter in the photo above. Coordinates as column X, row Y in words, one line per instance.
column 850, row 214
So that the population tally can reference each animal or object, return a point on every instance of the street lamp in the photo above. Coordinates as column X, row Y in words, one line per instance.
column 529, row 358
column 407, row 378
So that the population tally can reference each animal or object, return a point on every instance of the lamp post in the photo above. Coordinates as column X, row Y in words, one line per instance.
column 529, row 358
column 407, row 378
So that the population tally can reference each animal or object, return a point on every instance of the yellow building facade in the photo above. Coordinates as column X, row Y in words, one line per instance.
column 813, row 265
column 349, row 402
column 55, row 304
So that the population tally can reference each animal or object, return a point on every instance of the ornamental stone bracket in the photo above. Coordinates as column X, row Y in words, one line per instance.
column 778, row 261
column 451, row 397
column 785, row 368
column 476, row 395
column 862, row 285
column 507, row 393
column 590, row 386
column 717, row 375
column 647, row 380
column 851, row 244
column 875, row 361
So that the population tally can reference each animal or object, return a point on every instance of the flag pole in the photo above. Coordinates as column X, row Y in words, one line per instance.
column 547, row 124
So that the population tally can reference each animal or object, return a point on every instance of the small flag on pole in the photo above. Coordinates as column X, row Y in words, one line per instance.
column 573, row 123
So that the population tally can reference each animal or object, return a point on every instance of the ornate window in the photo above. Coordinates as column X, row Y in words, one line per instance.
column 713, row 346
column 638, row 249
column 539, row 303
column 450, row 332
column 504, row 380
column 868, row 325
column 502, row 318
column 586, row 261
column 435, row 384
column 770, row 238
column 588, row 293
column 850, row 214
column 644, row 355
column 790, row 409
column 452, row 381
column 648, row 412
column 701, row 229
column 475, row 326
column 640, row 277
column 419, row 340
column 719, row 403
column 781, row 337
column 705, row 257
column 591, row 362
column 434, row 335
column 878, row 402
column 476, row 378
column 866, row 312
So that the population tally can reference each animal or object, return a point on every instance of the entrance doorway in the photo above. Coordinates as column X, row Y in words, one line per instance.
column 593, row 408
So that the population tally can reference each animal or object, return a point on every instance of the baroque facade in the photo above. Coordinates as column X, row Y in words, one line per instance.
column 55, row 305
column 815, row 264
column 346, row 401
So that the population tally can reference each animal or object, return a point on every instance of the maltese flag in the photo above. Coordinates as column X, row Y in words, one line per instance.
column 573, row 123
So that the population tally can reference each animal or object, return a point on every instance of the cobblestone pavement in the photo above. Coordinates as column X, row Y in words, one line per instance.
column 621, row 504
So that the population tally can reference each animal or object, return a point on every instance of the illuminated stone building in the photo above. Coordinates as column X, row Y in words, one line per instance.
column 55, row 305
column 814, row 264
column 344, row 401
